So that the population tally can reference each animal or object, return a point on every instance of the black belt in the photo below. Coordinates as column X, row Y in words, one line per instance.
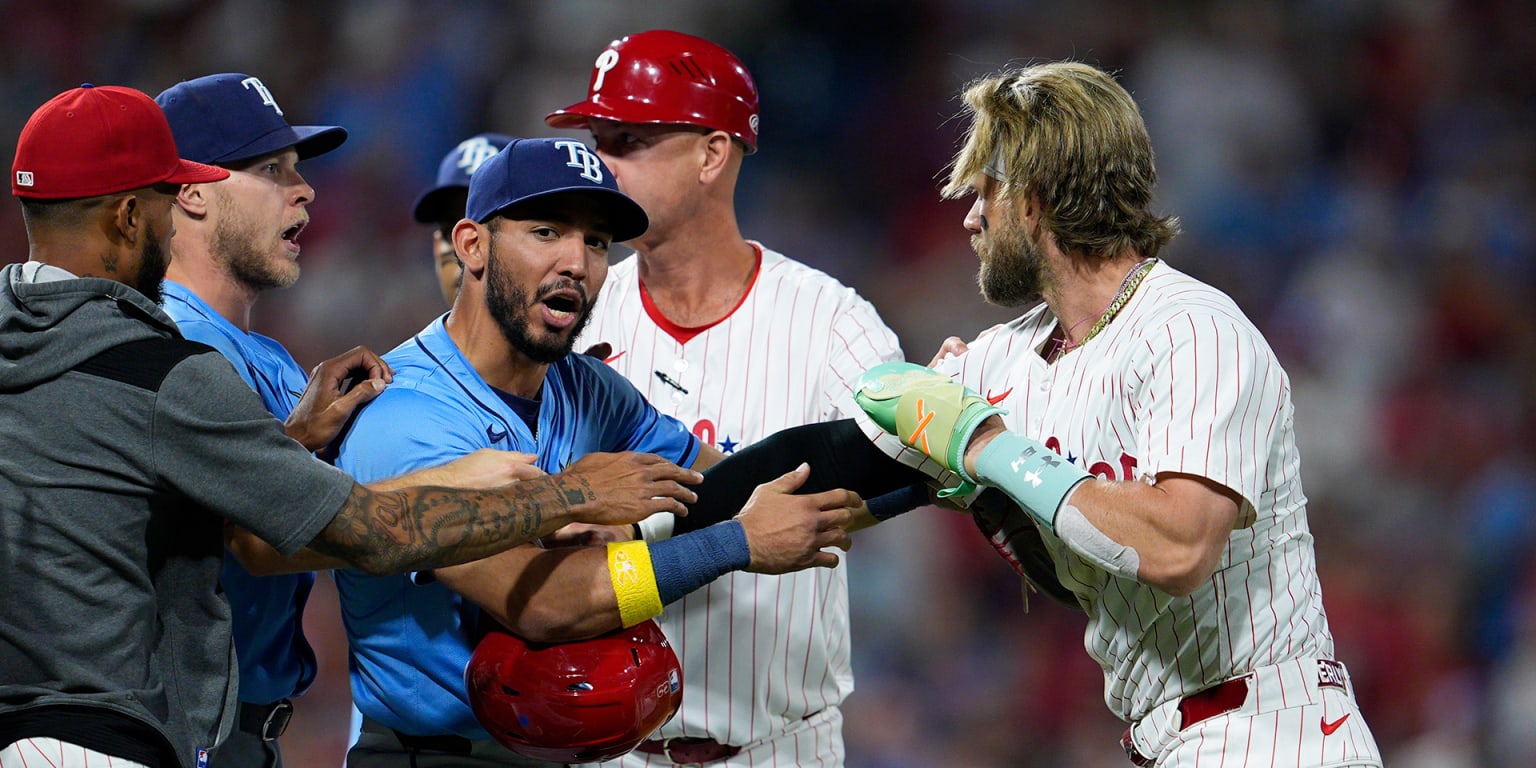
column 688, row 751
column 454, row 745
column 266, row 721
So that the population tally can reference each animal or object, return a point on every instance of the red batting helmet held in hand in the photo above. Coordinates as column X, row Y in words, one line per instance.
column 579, row 702
column 663, row 76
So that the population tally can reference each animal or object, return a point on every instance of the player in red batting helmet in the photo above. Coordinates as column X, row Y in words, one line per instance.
column 661, row 76
column 577, row 702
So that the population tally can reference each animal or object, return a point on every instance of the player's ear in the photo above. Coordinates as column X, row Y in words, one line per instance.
column 192, row 199
column 472, row 244
column 127, row 219
column 718, row 151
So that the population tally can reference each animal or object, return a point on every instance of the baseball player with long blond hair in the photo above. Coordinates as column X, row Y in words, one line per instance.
column 1149, row 436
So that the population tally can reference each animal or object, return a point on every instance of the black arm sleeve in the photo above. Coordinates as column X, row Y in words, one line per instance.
column 838, row 452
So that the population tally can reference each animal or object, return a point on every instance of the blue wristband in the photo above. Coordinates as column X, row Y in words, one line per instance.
column 885, row 507
column 685, row 563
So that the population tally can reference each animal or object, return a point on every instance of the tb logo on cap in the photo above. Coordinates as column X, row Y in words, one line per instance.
column 581, row 157
column 260, row 88
column 473, row 153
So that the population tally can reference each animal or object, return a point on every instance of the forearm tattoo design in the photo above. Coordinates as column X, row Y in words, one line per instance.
column 428, row 527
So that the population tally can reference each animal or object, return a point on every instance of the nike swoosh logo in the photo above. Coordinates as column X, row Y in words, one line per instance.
column 615, row 357
column 494, row 434
column 1329, row 728
column 995, row 399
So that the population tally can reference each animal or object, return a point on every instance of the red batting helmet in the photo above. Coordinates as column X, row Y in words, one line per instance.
column 579, row 702
column 663, row 76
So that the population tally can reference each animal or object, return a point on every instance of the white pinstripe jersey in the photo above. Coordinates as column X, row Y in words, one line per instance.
column 1181, row 382
column 759, row 653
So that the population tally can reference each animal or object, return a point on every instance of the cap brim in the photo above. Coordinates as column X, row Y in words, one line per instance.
column 626, row 218
column 315, row 140
column 629, row 219
column 574, row 116
column 189, row 172
column 307, row 140
column 429, row 207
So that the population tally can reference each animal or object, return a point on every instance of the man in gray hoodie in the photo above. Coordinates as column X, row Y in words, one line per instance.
column 124, row 449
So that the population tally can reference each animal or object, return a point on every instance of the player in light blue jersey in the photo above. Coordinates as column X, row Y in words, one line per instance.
column 235, row 239
column 496, row 372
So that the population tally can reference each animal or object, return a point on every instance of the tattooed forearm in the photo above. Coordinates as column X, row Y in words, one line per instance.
column 432, row 527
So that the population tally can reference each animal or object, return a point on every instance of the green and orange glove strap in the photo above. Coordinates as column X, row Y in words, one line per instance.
column 928, row 411
column 932, row 413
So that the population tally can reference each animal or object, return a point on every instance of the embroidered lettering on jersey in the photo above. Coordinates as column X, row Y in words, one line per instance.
column 1330, row 674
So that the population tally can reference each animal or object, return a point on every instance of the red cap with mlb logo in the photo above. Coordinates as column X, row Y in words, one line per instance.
column 91, row 141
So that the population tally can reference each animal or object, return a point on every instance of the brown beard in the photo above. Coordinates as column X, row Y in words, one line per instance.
column 248, row 266
column 1012, row 271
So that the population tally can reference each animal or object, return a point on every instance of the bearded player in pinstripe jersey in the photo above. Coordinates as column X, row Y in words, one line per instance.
column 1149, row 437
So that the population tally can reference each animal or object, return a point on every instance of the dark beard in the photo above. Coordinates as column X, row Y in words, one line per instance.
column 152, row 266
column 1012, row 272
column 509, row 306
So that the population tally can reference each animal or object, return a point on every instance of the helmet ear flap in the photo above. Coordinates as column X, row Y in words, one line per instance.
column 578, row 702
column 661, row 76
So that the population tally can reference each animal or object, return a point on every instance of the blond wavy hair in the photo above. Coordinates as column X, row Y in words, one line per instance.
column 1068, row 135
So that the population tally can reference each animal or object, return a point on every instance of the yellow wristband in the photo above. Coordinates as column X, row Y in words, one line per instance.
column 634, row 581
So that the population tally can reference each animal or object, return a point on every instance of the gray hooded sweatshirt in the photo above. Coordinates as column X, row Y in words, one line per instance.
column 123, row 448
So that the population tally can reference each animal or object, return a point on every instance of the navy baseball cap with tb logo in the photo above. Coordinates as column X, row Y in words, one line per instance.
column 453, row 173
column 230, row 117
column 532, row 168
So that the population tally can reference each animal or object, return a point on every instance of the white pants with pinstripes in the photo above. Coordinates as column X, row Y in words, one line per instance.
column 52, row 753
column 1288, row 719
column 815, row 742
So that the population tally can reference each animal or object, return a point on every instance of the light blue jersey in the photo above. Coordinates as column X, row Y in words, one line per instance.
column 275, row 660
column 409, row 641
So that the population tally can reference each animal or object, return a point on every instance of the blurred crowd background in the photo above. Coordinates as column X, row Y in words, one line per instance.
column 1358, row 174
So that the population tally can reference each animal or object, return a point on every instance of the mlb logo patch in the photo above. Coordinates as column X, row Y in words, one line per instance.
column 24, row 179
column 202, row 757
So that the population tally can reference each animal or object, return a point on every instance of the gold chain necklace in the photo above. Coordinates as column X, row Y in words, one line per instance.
column 1127, row 288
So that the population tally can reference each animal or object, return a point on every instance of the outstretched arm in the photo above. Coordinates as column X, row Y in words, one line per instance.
column 839, row 454
column 569, row 593
column 484, row 469
column 431, row 527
